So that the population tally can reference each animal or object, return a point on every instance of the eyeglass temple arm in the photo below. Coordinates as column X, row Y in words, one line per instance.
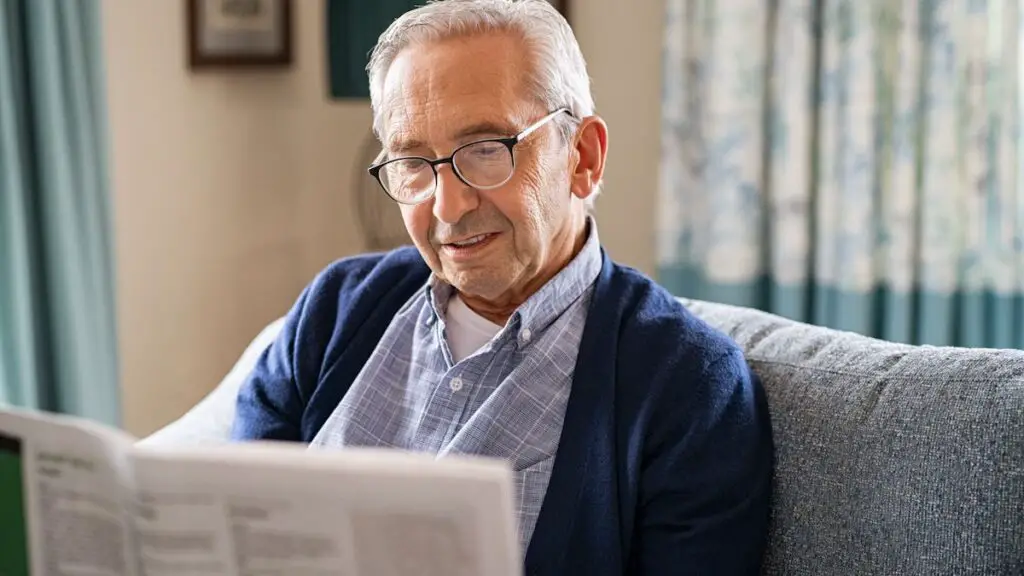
column 540, row 123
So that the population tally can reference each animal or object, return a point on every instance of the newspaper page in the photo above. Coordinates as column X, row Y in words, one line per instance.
column 272, row 509
column 64, row 494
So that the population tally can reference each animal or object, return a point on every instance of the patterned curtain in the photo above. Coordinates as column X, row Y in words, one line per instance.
column 857, row 164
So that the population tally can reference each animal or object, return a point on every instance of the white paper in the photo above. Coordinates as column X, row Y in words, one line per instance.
column 283, row 510
column 76, row 482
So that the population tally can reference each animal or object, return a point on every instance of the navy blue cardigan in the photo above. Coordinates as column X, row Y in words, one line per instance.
column 666, row 455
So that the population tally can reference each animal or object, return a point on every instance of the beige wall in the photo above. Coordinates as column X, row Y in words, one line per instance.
column 231, row 190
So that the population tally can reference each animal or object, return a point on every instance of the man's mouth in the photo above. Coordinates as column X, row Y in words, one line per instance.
column 468, row 247
column 470, row 241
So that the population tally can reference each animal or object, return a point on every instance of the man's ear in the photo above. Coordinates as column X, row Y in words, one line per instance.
column 590, row 148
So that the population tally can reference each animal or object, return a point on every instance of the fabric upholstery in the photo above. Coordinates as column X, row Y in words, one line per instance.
column 890, row 459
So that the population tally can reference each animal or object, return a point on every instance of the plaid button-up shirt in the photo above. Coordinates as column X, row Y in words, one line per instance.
column 507, row 400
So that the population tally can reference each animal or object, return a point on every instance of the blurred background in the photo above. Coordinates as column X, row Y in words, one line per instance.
column 173, row 173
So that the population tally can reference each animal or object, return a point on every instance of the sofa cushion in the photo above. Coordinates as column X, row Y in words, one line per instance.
column 890, row 459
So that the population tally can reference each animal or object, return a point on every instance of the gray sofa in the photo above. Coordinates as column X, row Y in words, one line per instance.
column 891, row 459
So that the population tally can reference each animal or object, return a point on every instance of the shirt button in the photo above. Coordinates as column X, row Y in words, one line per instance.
column 525, row 335
column 455, row 384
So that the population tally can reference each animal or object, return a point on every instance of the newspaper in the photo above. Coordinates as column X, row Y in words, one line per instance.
column 78, row 498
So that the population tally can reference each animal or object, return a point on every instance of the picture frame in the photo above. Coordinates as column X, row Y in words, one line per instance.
column 239, row 33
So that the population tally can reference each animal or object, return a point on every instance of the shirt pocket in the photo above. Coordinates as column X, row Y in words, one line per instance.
column 528, row 462
column 531, row 482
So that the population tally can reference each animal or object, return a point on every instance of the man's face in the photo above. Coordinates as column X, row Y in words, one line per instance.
column 445, row 94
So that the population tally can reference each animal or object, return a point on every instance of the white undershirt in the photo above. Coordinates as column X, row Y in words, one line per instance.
column 466, row 330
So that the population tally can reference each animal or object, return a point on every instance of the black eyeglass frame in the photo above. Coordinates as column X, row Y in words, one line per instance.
column 509, row 143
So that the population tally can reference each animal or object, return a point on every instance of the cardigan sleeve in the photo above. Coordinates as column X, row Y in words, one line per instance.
column 353, row 299
column 272, row 402
column 704, row 492
column 269, row 405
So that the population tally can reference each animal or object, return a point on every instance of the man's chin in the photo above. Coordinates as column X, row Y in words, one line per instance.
column 482, row 284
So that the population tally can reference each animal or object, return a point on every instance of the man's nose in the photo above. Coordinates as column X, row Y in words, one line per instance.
column 453, row 198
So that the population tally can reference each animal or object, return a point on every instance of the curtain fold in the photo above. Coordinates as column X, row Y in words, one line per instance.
column 58, row 344
column 857, row 164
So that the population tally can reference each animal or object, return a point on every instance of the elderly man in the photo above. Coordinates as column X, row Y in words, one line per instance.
column 639, row 439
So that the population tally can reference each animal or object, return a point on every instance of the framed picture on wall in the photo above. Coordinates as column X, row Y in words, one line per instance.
column 239, row 33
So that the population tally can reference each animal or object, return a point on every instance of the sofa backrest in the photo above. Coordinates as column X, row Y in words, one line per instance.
column 890, row 459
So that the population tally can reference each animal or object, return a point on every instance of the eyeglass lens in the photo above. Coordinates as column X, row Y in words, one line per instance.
column 482, row 165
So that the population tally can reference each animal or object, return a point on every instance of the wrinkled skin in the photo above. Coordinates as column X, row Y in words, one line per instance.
column 443, row 94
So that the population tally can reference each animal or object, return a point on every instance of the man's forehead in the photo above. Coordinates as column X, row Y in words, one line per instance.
column 477, row 61
column 444, row 89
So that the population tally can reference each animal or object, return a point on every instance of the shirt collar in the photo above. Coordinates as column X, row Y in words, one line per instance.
column 548, row 303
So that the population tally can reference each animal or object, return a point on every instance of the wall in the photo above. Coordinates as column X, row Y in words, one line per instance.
column 622, row 44
column 231, row 190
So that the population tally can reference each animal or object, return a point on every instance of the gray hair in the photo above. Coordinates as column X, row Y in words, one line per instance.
column 558, row 78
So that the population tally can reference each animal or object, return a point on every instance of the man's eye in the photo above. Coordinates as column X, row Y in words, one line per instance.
column 486, row 150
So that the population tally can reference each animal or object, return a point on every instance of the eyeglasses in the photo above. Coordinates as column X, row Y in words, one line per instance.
column 483, row 164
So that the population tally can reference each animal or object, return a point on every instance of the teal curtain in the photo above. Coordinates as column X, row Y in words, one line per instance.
column 58, row 347
column 857, row 164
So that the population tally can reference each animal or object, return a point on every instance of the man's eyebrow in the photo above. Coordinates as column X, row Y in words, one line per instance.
column 403, row 147
column 399, row 147
column 485, row 128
